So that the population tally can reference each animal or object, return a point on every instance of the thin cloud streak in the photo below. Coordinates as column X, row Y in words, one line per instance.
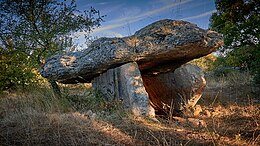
column 123, row 21
column 108, row 27
column 112, row 34
column 200, row 15
column 149, row 13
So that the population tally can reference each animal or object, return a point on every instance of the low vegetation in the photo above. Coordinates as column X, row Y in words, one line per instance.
column 228, row 116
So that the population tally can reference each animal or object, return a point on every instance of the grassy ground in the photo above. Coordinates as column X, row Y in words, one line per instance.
column 230, row 116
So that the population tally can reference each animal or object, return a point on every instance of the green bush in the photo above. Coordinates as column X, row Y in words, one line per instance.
column 225, row 71
column 16, row 69
column 245, row 58
column 239, row 22
column 205, row 63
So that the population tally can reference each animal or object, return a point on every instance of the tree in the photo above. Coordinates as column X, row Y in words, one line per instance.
column 39, row 28
column 238, row 21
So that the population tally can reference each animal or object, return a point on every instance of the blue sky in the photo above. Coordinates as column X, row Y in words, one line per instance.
column 125, row 17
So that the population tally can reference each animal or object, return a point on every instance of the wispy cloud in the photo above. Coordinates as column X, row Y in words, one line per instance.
column 108, row 27
column 111, row 34
column 121, row 22
column 200, row 15
column 102, row 3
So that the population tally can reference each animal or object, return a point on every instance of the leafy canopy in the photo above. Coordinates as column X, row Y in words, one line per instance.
column 31, row 30
column 239, row 21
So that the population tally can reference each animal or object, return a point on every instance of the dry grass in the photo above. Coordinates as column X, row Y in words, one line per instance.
column 35, row 117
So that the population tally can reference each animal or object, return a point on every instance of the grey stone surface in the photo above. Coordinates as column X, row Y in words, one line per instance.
column 175, row 91
column 190, row 84
column 125, row 83
column 159, row 47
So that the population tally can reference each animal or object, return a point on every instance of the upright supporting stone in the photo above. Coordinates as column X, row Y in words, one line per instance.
column 125, row 83
column 175, row 92
column 107, row 84
column 190, row 84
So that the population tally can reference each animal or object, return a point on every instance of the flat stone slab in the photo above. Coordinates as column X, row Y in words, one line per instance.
column 159, row 47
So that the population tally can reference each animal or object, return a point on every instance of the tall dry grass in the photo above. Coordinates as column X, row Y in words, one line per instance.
column 35, row 117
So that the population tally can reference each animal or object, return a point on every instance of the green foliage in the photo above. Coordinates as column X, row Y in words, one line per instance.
column 205, row 63
column 43, row 27
column 15, row 69
column 225, row 71
column 244, row 58
column 239, row 21
column 31, row 31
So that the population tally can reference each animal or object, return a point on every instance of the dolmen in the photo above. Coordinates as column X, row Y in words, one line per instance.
column 147, row 71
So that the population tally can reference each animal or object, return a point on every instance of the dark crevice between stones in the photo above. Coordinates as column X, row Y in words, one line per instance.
column 160, row 95
column 174, row 93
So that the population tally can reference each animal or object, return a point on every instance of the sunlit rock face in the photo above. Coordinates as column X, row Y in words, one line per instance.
column 142, row 68
column 176, row 91
column 124, row 84
column 159, row 47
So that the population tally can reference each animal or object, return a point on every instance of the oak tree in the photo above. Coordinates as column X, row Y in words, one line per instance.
column 36, row 29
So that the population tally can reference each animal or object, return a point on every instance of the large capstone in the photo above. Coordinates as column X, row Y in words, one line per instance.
column 159, row 47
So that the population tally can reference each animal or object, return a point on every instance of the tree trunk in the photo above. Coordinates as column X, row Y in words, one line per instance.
column 54, row 85
column 55, row 88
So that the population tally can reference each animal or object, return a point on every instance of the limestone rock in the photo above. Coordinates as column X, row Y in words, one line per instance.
column 190, row 83
column 159, row 47
column 125, row 83
column 175, row 91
